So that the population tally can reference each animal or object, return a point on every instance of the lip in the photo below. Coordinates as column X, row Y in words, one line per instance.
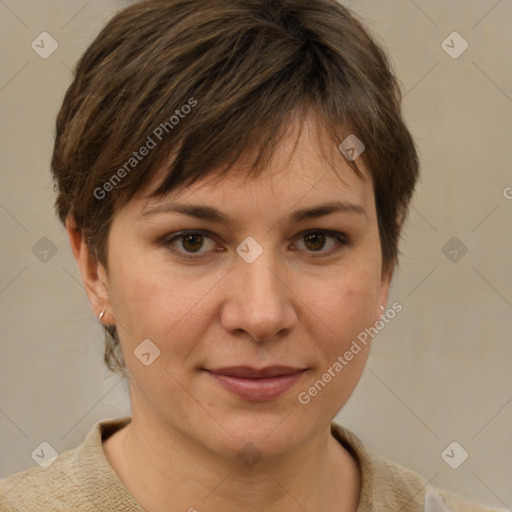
column 257, row 384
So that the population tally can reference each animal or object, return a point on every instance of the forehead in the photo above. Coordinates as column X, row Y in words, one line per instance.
column 305, row 166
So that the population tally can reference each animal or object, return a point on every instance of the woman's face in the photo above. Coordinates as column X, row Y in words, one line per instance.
column 256, row 292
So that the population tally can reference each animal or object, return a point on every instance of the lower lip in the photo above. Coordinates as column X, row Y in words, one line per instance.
column 258, row 389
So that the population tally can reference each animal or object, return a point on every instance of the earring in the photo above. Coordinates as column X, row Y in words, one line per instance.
column 382, row 314
column 102, row 314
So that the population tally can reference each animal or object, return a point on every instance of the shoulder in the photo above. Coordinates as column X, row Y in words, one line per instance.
column 78, row 479
column 387, row 485
column 38, row 488
column 409, row 490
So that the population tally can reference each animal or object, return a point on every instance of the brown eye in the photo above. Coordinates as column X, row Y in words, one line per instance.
column 315, row 241
column 191, row 242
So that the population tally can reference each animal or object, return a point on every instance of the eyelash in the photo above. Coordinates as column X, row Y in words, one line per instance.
column 341, row 238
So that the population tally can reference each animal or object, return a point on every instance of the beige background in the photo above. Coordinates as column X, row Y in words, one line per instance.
column 439, row 372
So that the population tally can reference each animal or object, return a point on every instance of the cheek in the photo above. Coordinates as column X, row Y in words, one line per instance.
column 345, row 307
column 347, row 304
column 155, row 302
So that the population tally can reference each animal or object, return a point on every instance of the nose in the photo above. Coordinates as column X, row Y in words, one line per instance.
column 259, row 303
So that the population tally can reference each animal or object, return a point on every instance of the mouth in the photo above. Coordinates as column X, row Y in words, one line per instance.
column 257, row 384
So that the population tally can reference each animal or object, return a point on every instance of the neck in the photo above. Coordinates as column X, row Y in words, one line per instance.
column 165, row 471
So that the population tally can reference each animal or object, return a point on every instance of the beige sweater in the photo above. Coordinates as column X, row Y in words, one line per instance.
column 82, row 479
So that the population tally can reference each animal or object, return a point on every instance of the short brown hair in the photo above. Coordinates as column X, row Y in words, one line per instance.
column 216, row 80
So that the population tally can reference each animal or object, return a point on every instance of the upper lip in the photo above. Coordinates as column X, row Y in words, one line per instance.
column 254, row 373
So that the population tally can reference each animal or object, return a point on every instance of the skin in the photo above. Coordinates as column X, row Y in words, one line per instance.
column 286, row 307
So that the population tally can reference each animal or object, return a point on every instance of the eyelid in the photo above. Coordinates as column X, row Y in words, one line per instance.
column 338, row 236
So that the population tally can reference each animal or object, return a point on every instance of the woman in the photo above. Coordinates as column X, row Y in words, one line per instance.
column 233, row 177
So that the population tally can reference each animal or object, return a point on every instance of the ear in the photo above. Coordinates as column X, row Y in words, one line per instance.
column 385, row 285
column 387, row 274
column 94, row 275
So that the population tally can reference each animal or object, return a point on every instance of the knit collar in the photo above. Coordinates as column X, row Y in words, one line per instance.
column 97, row 478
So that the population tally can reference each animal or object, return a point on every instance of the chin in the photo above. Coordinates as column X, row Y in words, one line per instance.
column 269, row 432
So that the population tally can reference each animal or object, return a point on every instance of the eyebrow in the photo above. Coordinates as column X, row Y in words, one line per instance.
column 214, row 215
